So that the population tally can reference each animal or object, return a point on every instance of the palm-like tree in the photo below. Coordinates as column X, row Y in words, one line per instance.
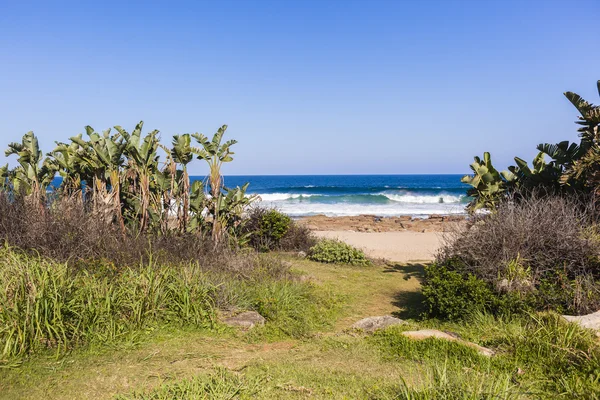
column 66, row 158
column 586, row 165
column 100, row 160
column 183, row 153
column 5, row 177
column 142, row 164
column 215, row 154
column 34, row 174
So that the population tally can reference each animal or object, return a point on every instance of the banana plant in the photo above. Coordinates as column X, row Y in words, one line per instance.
column 543, row 176
column 142, row 164
column 585, row 168
column 34, row 174
column 67, row 158
column 589, row 118
column 5, row 178
column 231, row 213
column 183, row 153
column 100, row 160
column 488, row 185
column 198, row 207
column 215, row 154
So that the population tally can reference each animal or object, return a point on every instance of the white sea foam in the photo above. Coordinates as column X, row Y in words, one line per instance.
column 430, row 199
column 281, row 196
column 347, row 209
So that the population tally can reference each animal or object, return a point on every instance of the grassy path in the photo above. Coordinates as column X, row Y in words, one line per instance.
column 329, row 365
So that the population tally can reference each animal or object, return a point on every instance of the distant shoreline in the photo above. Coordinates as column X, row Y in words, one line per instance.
column 373, row 223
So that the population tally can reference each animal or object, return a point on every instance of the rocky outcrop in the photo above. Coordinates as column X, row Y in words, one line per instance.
column 434, row 333
column 246, row 320
column 371, row 324
column 590, row 321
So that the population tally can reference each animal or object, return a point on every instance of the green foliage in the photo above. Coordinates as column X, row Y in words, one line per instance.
column 268, row 227
column 573, row 168
column 292, row 309
column 48, row 305
column 537, row 356
column 335, row 251
column 454, row 295
column 488, row 186
column 274, row 225
column 121, row 179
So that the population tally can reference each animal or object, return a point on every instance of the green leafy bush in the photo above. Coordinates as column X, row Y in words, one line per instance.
column 269, row 229
column 274, row 225
column 335, row 251
column 452, row 295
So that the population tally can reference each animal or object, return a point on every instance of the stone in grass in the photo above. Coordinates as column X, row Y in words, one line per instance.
column 246, row 320
column 371, row 324
column 590, row 321
column 434, row 333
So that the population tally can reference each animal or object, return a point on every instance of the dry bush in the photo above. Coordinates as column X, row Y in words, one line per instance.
column 543, row 233
column 544, row 246
column 65, row 231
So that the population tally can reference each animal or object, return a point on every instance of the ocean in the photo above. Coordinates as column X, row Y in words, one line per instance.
column 344, row 195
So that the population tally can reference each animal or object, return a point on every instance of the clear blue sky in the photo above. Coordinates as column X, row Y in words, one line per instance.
column 307, row 87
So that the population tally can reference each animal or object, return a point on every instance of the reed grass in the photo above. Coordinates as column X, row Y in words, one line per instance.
column 52, row 306
column 44, row 304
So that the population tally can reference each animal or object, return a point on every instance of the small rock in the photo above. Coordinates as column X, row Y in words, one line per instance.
column 434, row 333
column 371, row 324
column 301, row 254
column 246, row 320
column 313, row 227
column 590, row 321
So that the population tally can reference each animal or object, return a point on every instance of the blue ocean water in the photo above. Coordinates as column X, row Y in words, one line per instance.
column 337, row 195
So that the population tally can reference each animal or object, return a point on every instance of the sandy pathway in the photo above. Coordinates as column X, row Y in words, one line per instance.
column 395, row 246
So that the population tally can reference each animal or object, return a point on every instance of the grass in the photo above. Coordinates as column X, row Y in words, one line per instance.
column 305, row 351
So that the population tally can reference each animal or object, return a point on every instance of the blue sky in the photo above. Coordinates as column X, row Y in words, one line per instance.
column 306, row 87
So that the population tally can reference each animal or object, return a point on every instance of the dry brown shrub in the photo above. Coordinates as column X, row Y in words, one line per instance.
column 544, row 233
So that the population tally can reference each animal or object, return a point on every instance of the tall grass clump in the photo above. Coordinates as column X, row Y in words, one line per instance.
column 47, row 305
column 442, row 383
column 537, row 355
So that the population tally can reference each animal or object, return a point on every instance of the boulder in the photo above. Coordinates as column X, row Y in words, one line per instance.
column 371, row 324
column 590, row 321
column 246, row 320
column 434, row 333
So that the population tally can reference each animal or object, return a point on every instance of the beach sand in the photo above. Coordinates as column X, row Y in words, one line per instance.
column 393, row 246
column 400, row 239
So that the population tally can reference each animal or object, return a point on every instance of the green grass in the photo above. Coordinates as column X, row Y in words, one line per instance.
column 306, row 351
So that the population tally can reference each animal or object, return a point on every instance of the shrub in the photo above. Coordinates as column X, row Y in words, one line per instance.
column 541, row 253
column 269, row 229
column 65, row 231
column 452, row 295
column 335, row 251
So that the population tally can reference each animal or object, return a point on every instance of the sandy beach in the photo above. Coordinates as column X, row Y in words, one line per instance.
column 394, row 246
column 401, row 239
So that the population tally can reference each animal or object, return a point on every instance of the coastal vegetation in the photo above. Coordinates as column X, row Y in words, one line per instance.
column 536, row 248
column 335, row 251
column 573, row 169
column 119, row 282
